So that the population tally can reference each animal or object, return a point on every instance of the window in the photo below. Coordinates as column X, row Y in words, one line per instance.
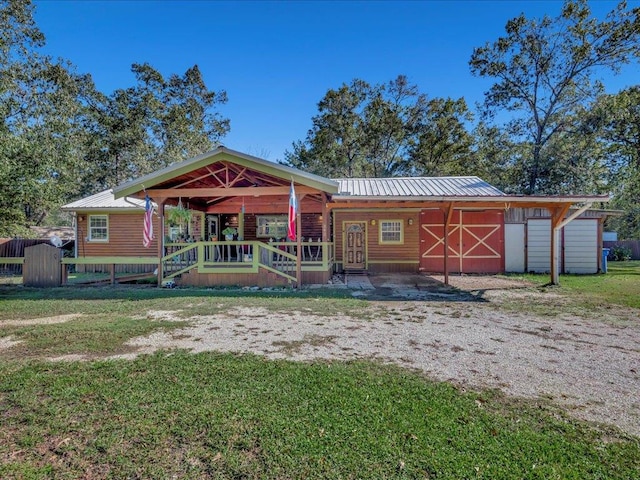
column 391, row 231
column 98, row 228
column 271, row 227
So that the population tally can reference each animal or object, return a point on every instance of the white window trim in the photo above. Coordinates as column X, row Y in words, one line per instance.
column 90, row 229
column 391, row 242
column 279, row 219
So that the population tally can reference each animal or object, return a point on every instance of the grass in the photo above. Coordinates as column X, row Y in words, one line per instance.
column 225, row 416
column 619, row 286
column 98, row 321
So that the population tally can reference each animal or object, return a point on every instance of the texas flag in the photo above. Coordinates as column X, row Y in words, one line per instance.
column 293, row 211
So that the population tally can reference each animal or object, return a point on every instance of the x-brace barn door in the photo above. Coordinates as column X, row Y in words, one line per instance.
column 476, row 241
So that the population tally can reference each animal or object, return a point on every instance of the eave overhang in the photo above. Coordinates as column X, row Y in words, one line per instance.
column 496, row 202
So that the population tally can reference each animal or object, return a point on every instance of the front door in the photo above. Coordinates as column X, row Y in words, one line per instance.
column 355, row 247
column 212, row 227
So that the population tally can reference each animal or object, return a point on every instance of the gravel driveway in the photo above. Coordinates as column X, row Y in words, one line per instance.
column 589, row 364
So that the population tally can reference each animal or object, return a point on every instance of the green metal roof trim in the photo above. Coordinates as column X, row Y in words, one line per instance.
column 226, row 154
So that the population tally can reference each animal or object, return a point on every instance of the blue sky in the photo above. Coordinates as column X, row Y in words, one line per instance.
column 276, row 60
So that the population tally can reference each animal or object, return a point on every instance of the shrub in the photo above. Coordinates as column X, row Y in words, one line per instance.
column 619, row 253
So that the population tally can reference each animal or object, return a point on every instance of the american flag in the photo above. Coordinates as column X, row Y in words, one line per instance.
column 147, row 234
column 293, row 208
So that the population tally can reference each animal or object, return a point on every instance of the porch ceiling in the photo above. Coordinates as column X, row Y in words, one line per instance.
column 219, row 182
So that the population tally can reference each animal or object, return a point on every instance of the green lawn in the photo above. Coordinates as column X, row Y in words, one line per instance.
column 223, row 416
column 619, row 286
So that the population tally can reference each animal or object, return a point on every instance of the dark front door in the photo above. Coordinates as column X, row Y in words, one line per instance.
column 355, row 246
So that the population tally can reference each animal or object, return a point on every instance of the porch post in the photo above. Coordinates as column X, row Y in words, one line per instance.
column 160, row 240
column 299, row 242
column 325, row 218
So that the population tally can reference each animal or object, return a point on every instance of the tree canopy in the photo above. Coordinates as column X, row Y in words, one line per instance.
column 547, row 125
column 545, row 78
column 384, row 130
column 60, row 138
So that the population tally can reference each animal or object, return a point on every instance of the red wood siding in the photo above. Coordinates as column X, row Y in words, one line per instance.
column 125, row 236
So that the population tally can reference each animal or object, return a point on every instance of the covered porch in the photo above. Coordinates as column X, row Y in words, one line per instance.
column 235, row 231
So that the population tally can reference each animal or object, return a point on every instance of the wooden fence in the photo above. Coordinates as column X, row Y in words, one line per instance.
column 14, row 247
column 633, row 245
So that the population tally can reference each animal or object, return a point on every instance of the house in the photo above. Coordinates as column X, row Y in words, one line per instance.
column 367, row 225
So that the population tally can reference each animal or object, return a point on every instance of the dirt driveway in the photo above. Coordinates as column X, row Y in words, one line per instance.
column 495, row 333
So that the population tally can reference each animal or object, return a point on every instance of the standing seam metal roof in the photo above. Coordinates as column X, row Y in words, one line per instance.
column 348, row 187
column 470, row 186
column 104, row 199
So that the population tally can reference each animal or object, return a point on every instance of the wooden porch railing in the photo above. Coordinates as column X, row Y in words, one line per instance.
column 245, row 257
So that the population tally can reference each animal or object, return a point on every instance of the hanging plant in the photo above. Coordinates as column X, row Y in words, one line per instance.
column 179, row 215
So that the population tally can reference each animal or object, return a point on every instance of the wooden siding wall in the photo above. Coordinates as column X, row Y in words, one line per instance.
column 521, row 215
column 125, row 236
column 125, row 239
column 262, row 279
column 382, row 258
column 267, row 205
column 311, row 225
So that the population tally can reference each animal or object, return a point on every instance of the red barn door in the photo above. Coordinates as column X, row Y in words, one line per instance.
column 476, row 241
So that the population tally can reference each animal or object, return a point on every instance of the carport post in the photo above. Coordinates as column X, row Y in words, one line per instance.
column 557, row 215
column 448, row 211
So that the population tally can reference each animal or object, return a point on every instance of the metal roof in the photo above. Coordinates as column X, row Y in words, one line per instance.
column 412, row 187
column 104, row 200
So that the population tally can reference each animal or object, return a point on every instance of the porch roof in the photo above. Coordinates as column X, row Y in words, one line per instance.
column 222, row 173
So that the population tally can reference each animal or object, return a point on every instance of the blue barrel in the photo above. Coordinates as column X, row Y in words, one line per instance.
column 605, row 254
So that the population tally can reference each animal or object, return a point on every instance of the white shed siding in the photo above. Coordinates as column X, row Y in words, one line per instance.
column 514, row 247
column 581, row 247
column 580, row 242
column 539, row 245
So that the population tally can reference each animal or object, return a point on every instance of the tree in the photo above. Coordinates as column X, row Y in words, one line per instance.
column 382, row 131
column 442, row 144
column 153, row 124
column 617, row 119
column 335, row 146
column 61, row 139
column 544, row 71
column 42, row 107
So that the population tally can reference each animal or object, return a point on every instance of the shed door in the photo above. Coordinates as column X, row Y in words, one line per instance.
column 476, row 241
column 578, row 248
column 354, row 254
